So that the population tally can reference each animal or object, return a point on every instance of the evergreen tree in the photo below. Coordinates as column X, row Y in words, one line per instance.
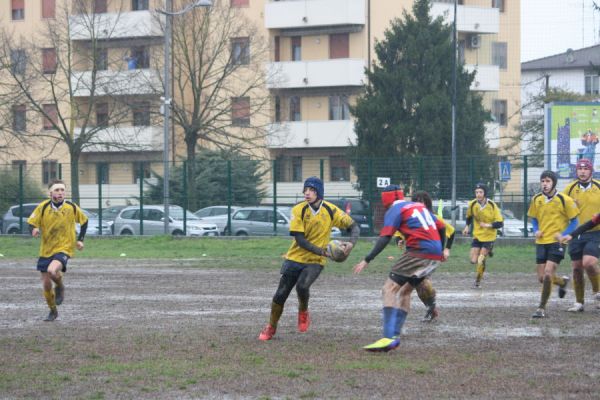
column 403, row 121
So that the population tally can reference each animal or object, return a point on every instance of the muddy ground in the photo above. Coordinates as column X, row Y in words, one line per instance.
column 176, row 329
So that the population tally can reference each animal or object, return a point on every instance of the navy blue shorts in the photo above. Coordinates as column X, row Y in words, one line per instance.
column 554, row 252
column 44, row 262
column 482, row 245
column 587, row 244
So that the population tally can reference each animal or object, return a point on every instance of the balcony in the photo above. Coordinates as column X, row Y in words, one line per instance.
column 314, row 13
column 487, row 78
column 313, row 74
column 492, row 134
column 124, row 25
column 126, row 138
column 310, row 134
column 469, row 19
column 117, row 83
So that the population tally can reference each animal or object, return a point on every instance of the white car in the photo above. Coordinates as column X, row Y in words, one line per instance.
column 128, row 222
column 216, row 215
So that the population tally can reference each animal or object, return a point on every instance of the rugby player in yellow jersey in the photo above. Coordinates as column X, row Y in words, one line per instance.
column 553, row 215
column 484, row 214
column 426, row 291
column 310, row 226
column 585, row 248
column 55, row 218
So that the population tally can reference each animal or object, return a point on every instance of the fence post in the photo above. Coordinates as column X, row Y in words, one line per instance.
column 21, row 198
column 274, row 197
column 141, row 178
column 471, row 174
column 101, row 175
column 60, row 171
column 322, row 169
column 229, row 199
column 370, row 194
column 420, row 174
column 185, row 198
column 525, row 195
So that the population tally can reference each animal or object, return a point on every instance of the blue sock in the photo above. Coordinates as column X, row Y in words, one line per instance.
column 400, row 318
column 389, row 321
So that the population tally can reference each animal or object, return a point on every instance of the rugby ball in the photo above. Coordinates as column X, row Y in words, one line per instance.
column 335, row 250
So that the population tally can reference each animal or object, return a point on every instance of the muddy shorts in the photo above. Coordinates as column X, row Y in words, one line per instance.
column 412, row 269
column 44, row 262
column 482, row 245
column 586, row 244
column 554, row 252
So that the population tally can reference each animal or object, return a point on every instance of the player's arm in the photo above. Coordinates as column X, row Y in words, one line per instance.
column 306, row 245
column 354, row 233
column 595, row 221
column 82, row 231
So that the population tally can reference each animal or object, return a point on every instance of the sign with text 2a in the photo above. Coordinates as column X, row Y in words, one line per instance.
column 382, row 182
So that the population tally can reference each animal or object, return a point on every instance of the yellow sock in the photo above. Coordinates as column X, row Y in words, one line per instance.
column 49, row 295
column 595, row 283
column 546, row 289
column 276, row 311
column 558, row 280
column 480, row 271
column 426, row 292
column 578, row 285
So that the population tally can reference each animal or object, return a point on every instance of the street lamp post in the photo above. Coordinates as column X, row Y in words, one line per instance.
column 454, row 72
column 166, row 99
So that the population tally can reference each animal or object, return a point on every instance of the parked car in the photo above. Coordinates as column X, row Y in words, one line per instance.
column 258, row 221
column 128, row 222
column 357, row 209
column 216, row 215
column 93, row 225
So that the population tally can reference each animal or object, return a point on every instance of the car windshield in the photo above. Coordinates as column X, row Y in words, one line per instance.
column 177, row 214
column 89, row 214
column 508, row 214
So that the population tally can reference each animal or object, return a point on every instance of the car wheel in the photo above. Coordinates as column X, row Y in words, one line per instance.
column 177, row 233
column 241, row 233
column 13, row 231
column 126, row 232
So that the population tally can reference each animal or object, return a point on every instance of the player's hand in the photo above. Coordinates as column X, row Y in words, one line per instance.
column 466, row 231
column 538, row 234
column 401, row 244
column 35, row 232
column 79, row 245
column 347, row 247
column 446, row 254
column 360, row 266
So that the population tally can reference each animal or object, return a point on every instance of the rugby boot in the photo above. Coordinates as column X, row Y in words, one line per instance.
column 539, row 313
column 52, row 315
column 383, row 345
column 577, row 307
column 267, row 333
column 477, row 285
column 431, row 314
column 597, row 299
column 59, row 294
column 562, row 290
column 303, row 321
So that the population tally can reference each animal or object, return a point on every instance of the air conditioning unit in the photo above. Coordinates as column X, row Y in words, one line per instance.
column 475, row 41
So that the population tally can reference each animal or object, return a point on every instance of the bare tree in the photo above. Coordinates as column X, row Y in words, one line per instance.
column 220, row 99
column 72, row 95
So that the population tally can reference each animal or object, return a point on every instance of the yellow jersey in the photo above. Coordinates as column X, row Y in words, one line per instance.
column 57, row 226
column 587, row 200
column 487, row 213
column 553, row 215
column 316, row 226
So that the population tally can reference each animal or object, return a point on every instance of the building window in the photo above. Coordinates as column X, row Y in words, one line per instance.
column 51, row 116
column 277, row 109
column 339, row 45
column 499, row 54
column 339, row 108
column 498, row 4
column 340, row 168
column 102, row 173
column 48, row 8
column 139, row 58
column 462, row 44
column 295, row 112
column 18, row 9
column 49, row 61
column 499, row 112
column 239, row 3
column 101, row 59
column 102, row 115
column 277, row 50
column 138, row 5
column 296, row 169
column 592, row 84
column 240, row 51
column 18, row 61
column 16, row 164
column 49, row 171
column 296, row 48
column 100, row 6
column 240, row 111
column 289, row 169
column 19, row 122
column 141, row 168
column 141, row 114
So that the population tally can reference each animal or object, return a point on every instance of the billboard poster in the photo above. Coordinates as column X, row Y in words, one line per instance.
column 572, row 131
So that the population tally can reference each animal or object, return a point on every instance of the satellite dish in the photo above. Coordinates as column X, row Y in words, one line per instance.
column 570, row 56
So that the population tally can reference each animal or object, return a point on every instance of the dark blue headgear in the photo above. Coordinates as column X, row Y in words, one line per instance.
column 317, row 184
column 483, row 187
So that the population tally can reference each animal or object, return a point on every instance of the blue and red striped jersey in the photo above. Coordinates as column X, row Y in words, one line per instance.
column 419, row 227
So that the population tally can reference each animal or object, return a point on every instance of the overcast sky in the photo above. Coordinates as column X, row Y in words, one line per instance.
column 550, row 27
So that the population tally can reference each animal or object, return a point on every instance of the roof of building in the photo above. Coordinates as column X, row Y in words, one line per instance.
column 581, row 58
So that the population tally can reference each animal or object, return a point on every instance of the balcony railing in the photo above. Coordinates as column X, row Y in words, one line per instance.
column 314, row 13
column 116, row 83
column 310, row 74
column 469, row 19
column 487, row 77
column 133, row 24
column 309, row 134
column 125, row 138
column 492, row 134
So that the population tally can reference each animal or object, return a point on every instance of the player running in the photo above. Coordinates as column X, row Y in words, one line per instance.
column 425, row 237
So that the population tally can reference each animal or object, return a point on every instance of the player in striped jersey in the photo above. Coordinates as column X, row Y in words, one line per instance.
column 584, row 249
column 425, row 238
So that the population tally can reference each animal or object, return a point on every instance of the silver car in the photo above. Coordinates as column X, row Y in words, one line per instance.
column 258, row 221
column 128, row 222
column 216, row 215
